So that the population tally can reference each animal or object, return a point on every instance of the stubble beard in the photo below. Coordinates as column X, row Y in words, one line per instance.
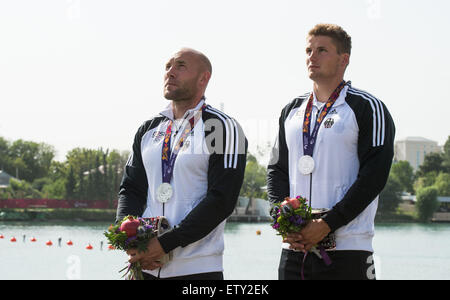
column 179, row 94
column 184, row 92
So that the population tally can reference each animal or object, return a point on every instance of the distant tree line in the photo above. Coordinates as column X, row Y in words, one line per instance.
column 431, row 180
column 91, row 175
column 86, row 174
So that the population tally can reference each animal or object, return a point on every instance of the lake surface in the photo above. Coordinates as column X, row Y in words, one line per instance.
column 402, row 251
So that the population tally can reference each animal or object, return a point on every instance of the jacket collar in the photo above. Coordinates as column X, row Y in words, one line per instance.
column 340, row 100
column 168, row 112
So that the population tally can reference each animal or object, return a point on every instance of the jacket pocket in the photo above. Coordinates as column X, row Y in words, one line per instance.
column 211, row 244
column 363, row 224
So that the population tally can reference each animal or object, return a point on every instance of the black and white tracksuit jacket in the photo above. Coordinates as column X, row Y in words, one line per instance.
column 207, row 178
column 353, row 156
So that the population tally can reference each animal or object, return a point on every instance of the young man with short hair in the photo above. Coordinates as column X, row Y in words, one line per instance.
column 334, row 147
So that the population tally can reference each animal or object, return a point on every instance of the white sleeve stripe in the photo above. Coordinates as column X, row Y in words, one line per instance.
column 379, row 122
column 232, row 151
column 236, row 144
column 230, row 159
column 230, row 137
column 374, row 119
column 226, row 133
column 383, row 133
column 130, row 160
column 378, row 115
column 379, row 112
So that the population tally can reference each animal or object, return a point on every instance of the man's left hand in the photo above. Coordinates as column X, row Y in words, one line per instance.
column 313, row 233
column 149, row 259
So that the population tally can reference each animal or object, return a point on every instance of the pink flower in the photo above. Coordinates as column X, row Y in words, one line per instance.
column 292, row 202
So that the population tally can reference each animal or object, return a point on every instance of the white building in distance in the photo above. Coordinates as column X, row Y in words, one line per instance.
column 414, row 150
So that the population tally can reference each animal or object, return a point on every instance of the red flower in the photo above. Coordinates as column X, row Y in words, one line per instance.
column 130, row 226
column 292, row 202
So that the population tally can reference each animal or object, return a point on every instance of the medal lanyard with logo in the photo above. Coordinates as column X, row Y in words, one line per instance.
column 306, row 162
column 168, row 156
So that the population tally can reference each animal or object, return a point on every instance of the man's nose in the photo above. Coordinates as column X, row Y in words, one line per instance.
column 170, row 73
column 312, row 56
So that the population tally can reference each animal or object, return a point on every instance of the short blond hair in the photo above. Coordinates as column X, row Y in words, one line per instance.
column 341, row 39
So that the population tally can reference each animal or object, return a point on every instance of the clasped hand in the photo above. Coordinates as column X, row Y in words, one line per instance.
column 150, row 259
column 309, row 236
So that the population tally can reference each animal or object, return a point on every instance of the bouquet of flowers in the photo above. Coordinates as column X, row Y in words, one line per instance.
column 293, row 214
column 135, row 233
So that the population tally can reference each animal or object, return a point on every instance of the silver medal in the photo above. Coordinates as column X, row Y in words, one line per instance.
column 164, row 192
column 306, row 164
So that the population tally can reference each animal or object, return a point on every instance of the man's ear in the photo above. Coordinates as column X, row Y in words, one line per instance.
column 204, row 78
column 345, row 59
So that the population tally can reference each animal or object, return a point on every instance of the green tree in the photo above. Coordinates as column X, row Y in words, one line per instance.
column 5, row 160
column 81, row 187
column 20, row 168
column 426, row 180
column 427, row 203
column 55, row 189
column 432, row 162
column 32, row 160
column 81, row 159
column 390, row 196
column 446, row 156
column 58, row 170
column 39, row 183
column 71, row 184
column 254, row 180
column 20, row 189
column 116, row 162
column 404, row 173
column 86, row 174
column 442, row 184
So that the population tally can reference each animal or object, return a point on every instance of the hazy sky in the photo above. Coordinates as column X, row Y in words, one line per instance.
column 88, row 73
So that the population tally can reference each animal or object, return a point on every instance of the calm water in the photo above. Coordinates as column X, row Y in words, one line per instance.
column 405, row 251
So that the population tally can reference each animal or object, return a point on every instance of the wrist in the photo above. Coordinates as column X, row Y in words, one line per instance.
column 325, row 227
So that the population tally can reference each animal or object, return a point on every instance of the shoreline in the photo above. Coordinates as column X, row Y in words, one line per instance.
column 58, row 214
column 109, row 215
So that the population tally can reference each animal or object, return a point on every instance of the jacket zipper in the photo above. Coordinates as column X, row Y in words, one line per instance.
column 310, row 189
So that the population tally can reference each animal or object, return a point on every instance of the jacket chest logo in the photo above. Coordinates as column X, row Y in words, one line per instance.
column 185, row 145
column 157, row 136
column 328, row 123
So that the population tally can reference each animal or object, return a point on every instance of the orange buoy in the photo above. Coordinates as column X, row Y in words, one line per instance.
column 33, row 239
column 258, row 232
column 69, row 243
column 13, row 239
column 1, row 236
column 89, row 247
column 49, row 243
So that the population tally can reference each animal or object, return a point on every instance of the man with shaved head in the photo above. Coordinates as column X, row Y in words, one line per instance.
column 187, row 75
column 187, row 164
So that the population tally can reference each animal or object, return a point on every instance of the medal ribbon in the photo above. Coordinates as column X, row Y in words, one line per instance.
column 309, row 138
column 168, row 155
